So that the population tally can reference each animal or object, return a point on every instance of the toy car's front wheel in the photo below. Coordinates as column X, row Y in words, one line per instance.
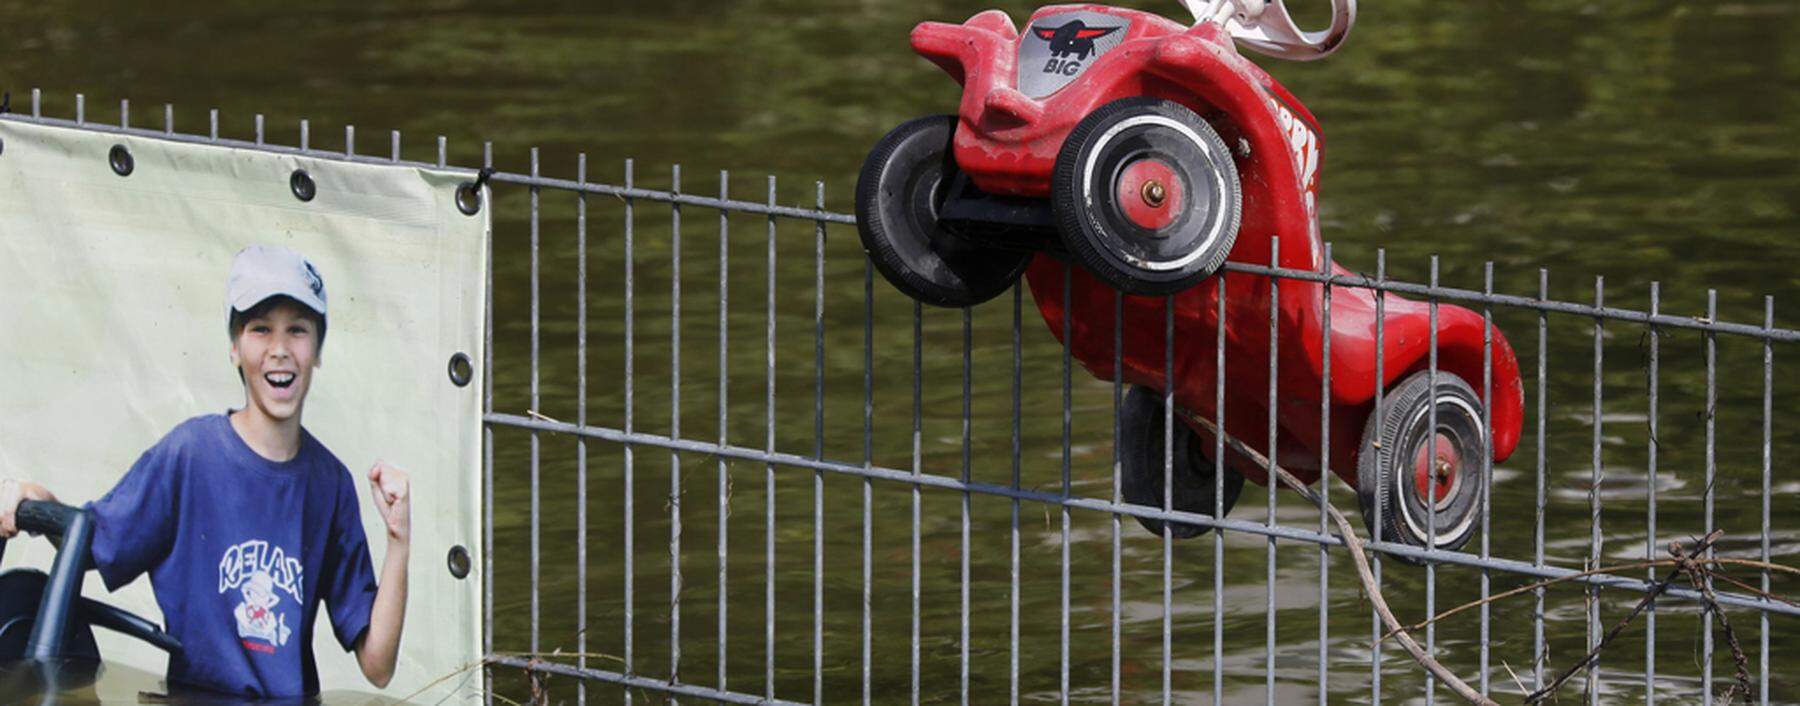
column 1419, row 486
column 902, row 186
column 1142, row 469
column 1146, row 196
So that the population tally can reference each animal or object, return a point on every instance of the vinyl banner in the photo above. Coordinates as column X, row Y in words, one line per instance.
column 113, row 331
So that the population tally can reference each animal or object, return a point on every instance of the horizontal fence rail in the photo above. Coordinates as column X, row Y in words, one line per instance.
column 786, row 626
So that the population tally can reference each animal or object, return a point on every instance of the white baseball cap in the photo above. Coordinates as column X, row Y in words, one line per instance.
column 262, row 271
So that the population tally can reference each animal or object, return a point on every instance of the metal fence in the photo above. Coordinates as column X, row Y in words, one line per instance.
column 834, row 315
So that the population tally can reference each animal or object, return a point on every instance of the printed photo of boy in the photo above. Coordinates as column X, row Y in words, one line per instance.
column 247, row 524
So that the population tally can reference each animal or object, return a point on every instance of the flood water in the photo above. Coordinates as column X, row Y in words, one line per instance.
column 1640, row 142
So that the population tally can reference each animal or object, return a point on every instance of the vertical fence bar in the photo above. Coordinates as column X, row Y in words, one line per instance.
column 487, row 461
column 1118, row 495
column 1597, row 478
column 443, row 144
column 819, row 447
column 1168, row 500
column 630, row 419
column 37, row 103
column 1324, row 474
column 1381, row 497
column 212, row 120
column 1067, row 416
column 1712, row 353
column 124, row 114
column 260, row 137
column 1762, row 688
column 168, row 119
column 868, row 484
column 394, row 146
column 80, row 109
column 306, row 138
column 1487, row 452
column 968, row 370
column 918, row 449
column 535, row 443
column 769, row 478
column 581, row 416
column 1012, row 674
column 675, row 428
column 1654, row 382
column 1537, row 537
column 868, row 461
column 1274, row 372
column 1218, row 509
column 349, row 140
column 724, row 428
column 918, row 460
column 1431, row 426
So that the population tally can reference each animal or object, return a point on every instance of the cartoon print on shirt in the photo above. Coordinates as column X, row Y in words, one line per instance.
column 260, row 572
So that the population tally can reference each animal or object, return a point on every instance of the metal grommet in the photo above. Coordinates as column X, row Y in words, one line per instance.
column 459, row 562
column 462, row 370
column 468, row 198
column 303, row 186
column 122, row 163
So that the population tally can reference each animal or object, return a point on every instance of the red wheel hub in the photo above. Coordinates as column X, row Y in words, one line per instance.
column 1150, row 194
column 1439, row 459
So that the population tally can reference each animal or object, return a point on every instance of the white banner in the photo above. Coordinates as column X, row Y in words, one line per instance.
column 113, row 331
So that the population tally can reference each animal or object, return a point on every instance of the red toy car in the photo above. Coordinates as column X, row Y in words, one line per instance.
column 1141, row 149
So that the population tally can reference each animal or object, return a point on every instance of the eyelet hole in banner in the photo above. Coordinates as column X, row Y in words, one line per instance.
column 302, row 185
column 122, row 163
column 462, row 370
column 458, row 562
column 468, row 198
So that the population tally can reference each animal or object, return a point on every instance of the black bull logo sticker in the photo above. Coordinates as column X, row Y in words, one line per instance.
column 1058, row 48
column 1074, row 39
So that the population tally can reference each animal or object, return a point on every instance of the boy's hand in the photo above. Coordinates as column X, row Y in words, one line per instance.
column 12, row 493
column 393, row 499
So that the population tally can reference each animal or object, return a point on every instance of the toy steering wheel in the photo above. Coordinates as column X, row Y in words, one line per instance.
column 1266, row 27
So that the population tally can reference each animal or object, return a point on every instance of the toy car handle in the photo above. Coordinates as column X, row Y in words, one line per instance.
column 128, row 624
column 45, row 517
column 1266, row 27
column 62, row 589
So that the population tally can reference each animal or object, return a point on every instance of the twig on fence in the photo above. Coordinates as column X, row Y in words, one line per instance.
column 1685, row 563
column 1699, row 579
column 1358, row 557
column 1525, row 589
column 1759, row 592
column 1515, row 677
column 1618, row 568
column 535, row 677
column 540, row 416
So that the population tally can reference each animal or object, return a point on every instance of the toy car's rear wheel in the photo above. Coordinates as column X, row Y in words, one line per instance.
column 1420, row 486
column 902, row 186
column 1146, row 196
column 1142, row 469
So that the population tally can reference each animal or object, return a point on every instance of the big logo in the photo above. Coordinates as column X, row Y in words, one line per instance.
column 1058, row 48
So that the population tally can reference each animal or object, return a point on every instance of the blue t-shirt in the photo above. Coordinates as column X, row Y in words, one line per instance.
column 240, row 551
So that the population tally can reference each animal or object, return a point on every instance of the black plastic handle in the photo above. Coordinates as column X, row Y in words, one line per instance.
column 44, row 517
column 129, row 624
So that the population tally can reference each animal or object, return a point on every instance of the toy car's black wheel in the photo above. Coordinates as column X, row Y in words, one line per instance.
column 1402, row 462
column 902, row 186
column 1141, row 466
column 1146, row 196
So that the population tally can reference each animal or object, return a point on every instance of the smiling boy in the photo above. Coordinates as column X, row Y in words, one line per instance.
column 246, row 523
